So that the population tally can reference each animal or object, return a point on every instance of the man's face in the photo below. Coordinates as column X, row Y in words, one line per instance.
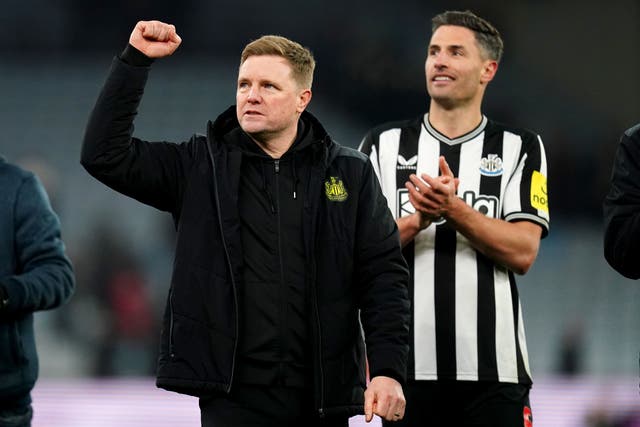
column 268, row 100
column 456, row 70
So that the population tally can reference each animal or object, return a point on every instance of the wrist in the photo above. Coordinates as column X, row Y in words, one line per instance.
column 421, row 222
column 132, row 56
column 451, row 209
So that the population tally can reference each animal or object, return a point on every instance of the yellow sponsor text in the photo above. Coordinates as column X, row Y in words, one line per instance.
column 539, row 197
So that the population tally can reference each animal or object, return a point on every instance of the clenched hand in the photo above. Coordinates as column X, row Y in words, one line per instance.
column 155, row 39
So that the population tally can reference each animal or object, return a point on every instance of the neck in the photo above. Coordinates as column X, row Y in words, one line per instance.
column 454, row 122
column 276, row 145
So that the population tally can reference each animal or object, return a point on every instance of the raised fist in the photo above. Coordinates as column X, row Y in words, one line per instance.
column 155, row 39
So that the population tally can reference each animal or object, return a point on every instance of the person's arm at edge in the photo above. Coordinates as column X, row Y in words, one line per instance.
column 621, row 208
column 46, row 278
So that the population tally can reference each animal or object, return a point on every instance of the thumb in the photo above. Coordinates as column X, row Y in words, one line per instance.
column 174, row 37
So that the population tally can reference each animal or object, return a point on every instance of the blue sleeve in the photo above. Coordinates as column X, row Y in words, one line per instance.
column 43, row 277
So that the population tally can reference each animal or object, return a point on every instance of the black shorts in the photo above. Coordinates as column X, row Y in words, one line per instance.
column 465, row 404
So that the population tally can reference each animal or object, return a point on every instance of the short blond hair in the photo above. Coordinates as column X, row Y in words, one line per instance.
column 299, row 57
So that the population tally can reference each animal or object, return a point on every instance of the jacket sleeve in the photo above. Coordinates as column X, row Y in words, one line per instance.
column 383, row 277
column 44, row 277
column 622, row 208
column 152, row 173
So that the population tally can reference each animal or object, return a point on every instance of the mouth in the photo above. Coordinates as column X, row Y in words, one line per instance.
column 442, row 78
column 252, row 113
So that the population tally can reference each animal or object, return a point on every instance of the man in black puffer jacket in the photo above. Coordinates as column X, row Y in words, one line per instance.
column 622, row 207
column 286, row 249
column 35, row 274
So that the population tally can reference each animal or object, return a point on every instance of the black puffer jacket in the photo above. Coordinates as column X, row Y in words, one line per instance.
column 351, row 245
column 622, row 207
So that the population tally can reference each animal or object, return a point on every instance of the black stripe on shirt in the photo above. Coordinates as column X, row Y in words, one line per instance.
column 445, row 279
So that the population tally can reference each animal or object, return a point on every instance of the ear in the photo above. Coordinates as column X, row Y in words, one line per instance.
column 489, row 70
column 304, row 97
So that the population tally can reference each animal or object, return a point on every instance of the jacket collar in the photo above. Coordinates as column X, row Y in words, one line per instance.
column 219, row 130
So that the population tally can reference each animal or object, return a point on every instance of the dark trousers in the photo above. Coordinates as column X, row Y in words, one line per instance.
column 465, row 404
column 265, row 406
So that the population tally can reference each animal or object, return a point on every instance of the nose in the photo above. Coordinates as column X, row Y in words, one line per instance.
column 253, row 96
column 438, row 61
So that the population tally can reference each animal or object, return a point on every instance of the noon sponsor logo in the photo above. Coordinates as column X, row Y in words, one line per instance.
column 539, row 197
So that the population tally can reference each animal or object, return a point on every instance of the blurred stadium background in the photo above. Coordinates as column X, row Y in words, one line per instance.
column 571, row 71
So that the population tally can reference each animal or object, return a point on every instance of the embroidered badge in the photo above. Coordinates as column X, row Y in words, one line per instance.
column 491, row 165
column 335, row 190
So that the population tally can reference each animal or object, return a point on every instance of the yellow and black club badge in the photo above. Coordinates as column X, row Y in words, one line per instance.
column 335, row 190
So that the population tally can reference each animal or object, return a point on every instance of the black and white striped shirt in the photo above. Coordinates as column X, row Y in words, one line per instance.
column 467, row 321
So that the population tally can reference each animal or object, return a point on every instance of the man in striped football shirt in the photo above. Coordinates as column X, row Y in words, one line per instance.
column 470, row 199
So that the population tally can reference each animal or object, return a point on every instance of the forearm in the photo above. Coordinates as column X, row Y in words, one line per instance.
column 410, row 226
column 513, row 245
column 110, row 126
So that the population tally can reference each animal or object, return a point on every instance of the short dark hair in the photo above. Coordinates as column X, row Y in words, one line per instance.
column 487, row 36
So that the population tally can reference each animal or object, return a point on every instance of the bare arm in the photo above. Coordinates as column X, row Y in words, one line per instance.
column 409, row 226
column 512, row 244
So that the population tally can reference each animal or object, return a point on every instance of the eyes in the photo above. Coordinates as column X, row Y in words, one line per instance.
column 245, row 86
column 452, row 51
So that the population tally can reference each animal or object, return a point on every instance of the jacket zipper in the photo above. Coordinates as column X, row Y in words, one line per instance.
column 282, row 320
column 228, row 258
column 316, row 312
column 317, row 316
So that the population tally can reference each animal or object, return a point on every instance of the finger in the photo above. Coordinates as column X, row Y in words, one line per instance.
column 425, row 202
column 441, row 185
column 418, row 183
column 433, row 182
column 173, row 35
column 423, row 205
column 444, row 167
column 382, row 406
column 391, row 409
column 148, row 30
column 418, row 198
column 368, row 405
column 400, row 408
